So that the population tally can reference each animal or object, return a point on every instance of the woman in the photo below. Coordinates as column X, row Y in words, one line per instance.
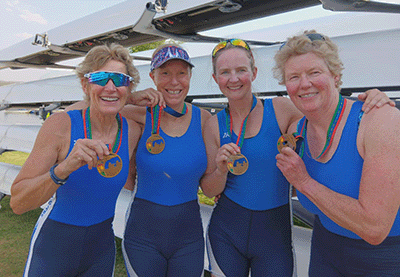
column 164, row 234
column 250, row 228
column 80, row 161
column 349, row 178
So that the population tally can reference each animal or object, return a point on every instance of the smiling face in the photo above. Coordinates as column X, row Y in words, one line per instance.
column 233, row 73
column 172, row 79
column 309, row 83
column 108, row 99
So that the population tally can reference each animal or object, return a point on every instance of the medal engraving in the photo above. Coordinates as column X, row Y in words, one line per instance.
column 155, row 144
column 287, row 140
column 110, row 166
column 238, row 164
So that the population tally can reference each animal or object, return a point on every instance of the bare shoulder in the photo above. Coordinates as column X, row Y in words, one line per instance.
column 57, row 123
column 285, row 105
column 286, row 113
column 205, row 115
column 380, row 128
column 386, row 117
column 54, row 136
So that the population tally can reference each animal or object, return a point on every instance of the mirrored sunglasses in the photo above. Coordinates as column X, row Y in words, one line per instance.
column 312, row 37
column 234, row 42
column 101, row 78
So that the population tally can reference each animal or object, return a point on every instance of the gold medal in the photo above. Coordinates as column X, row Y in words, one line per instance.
column 238, row 164
column 110, row 166
column 287, row 140
column 155, row 144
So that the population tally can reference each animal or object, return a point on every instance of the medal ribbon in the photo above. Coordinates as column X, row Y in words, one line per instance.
column 155, row 118
column 336, row 118
column 175, row 113
column 87, row 127
column 240, row 139
column 156, row 113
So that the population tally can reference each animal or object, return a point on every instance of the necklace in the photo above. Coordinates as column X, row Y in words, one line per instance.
column 336, row 118
column 110, row 165
column 155, row 144
column 238, row 164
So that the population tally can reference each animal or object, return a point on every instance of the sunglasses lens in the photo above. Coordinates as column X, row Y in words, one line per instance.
column 313, row 37
column 219, row 46
column 102, row 78
column 234, row 42
column 239, row 42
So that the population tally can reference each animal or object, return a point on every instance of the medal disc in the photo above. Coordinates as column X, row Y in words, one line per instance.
column 155, row 144
column 109, row 166
column 238, row 164
column 287, row 140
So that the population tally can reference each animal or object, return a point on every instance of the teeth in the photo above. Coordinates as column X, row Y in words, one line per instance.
column 109, row 98
column 238, row 87
column 173, row 91
column 308, row 95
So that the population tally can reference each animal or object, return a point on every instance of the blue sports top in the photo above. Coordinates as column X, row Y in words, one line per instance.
column 263, row 185
column 342, row 173
column 88, row 198
column 172, row 177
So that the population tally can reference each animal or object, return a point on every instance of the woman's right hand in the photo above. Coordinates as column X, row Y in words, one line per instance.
column 85, row 151
column 223, row 154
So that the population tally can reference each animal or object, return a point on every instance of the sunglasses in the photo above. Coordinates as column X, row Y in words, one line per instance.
column 312, row 37
column 101, row 78
column 234, row 42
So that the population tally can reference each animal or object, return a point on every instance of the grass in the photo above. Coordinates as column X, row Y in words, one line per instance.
column 15, row 235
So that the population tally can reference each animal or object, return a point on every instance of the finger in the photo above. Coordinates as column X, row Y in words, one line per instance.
column 362, row 96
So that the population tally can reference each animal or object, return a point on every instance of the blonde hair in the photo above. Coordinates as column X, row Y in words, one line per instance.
column 98, row 56
column 302, row 44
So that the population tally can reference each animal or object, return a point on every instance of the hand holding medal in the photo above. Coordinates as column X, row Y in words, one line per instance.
column 110, row 165
column 238, row 163
column 287, row 140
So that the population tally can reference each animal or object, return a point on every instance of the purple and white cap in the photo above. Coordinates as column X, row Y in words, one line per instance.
column 169, row 53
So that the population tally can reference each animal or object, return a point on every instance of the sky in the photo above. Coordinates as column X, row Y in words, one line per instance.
column 22, row 19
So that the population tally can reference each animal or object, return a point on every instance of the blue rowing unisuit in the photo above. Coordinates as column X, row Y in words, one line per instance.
column 263, row 186
column 89, row 198
column 172, row 177
column 349, row 163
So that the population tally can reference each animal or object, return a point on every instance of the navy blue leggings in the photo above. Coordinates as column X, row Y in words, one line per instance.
column 240, row 239
column 63, row 250
column 164, row 240
column 334, row 255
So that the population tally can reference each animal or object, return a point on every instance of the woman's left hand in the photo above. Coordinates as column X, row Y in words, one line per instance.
column 374, row 98
column 148, row 97
column 292, row 167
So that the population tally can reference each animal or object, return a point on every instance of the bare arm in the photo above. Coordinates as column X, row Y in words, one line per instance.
column 214, row 180
column 134, row 137
column 33, row 186
column 371, row 216
column 286, row 113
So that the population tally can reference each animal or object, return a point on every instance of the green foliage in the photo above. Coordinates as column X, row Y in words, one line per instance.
column 147, row 46
column 151, row 45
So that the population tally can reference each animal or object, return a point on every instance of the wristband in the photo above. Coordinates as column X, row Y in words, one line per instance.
column 55, row 179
